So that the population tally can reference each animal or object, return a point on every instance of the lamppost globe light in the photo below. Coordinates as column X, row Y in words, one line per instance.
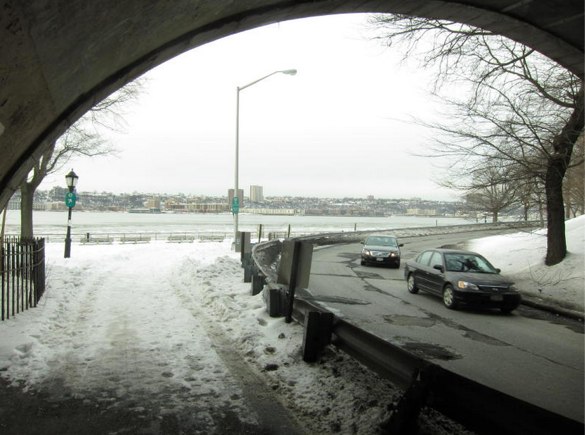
column 71, row 180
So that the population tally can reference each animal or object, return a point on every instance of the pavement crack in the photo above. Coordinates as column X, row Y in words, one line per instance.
column 337, row 299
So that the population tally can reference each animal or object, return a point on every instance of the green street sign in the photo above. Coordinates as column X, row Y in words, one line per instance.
column 70, row 199
column 235, row 205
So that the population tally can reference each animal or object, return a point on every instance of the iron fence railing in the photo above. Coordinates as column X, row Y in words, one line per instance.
column 22, row 270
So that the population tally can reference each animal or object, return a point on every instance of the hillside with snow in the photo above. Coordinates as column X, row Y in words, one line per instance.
column 521, row 257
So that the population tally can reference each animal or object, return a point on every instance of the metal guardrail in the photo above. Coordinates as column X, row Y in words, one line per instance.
column 478, row 407
column 470, row 403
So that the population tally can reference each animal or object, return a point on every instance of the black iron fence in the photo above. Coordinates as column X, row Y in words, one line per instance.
column 22, row 270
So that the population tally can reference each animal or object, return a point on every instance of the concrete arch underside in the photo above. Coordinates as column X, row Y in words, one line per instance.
column 59, row 57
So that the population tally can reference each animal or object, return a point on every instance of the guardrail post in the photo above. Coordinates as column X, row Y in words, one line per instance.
column 248, row 271
column 294, row 269
column 293, row 281
column 275, row 301
column 245, row 247
column 246, row 255
column 258, row 282
column 404, row 420
column 317, row 334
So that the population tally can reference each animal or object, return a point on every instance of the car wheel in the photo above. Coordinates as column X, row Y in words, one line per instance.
column 397, row 265
column 449, row 297
column 507, row 309
column 411, row 284
column 362, row 262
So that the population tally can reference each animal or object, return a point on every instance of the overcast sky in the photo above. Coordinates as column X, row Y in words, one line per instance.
column 333, row 130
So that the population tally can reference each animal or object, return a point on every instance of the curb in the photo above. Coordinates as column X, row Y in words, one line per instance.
column 572, row 314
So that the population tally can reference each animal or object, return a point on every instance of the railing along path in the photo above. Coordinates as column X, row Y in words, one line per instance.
column 22, row 274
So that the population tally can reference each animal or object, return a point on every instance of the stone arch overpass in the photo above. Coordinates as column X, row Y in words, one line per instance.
column 59, row 57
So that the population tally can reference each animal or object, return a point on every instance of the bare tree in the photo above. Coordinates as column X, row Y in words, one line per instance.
column 490, row 191
column 82, row 138
column 522, row 110
column 530, row 194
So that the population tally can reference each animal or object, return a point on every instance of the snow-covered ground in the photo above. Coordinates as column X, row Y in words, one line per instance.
column 129, row 326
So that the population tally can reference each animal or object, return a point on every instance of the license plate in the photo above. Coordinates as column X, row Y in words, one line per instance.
column 496, row 297
column 379, row 259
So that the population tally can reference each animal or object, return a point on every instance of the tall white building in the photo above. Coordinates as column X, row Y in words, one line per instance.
column 256, row 194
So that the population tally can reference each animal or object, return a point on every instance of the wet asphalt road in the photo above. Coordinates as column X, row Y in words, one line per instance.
column 528, row 354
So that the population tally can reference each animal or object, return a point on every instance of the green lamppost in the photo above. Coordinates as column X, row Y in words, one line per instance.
column 70, row 199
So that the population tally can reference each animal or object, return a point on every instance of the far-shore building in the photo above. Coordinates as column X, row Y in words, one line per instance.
column 421, row 212
column 153, row 203
column 256, row 194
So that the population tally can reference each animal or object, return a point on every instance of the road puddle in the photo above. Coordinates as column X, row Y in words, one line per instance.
column 423, row 322
column 336, row 299
column 430, row 351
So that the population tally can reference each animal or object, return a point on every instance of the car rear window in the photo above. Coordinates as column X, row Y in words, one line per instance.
column 436, row 260
column 424, row 258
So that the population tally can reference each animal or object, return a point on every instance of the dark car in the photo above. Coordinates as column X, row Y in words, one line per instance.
column 461, row 277
column 381, row 249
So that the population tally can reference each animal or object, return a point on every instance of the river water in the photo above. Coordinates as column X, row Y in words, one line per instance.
column 53, row 225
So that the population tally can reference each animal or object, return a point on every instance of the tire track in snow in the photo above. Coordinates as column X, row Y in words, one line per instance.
column 274, row 417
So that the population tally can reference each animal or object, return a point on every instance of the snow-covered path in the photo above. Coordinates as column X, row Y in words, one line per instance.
column 158, row 329
column 129, row 332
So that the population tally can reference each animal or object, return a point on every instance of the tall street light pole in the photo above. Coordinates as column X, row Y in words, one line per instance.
column 235, row 200
column 70, row 199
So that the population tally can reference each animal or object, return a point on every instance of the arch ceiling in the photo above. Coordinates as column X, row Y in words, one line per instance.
column 59, row 57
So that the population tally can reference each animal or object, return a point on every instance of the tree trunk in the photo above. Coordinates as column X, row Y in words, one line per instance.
column 556, row 249
column 563, row 144
column 26, row 210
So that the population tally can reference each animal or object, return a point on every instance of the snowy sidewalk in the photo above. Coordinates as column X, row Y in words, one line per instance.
column 125, row 328
column 146, row 339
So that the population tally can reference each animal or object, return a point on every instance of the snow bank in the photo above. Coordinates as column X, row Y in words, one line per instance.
column 521, row 257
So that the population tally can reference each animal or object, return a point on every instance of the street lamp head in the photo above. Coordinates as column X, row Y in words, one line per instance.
column 290, row 72
column 71, row 180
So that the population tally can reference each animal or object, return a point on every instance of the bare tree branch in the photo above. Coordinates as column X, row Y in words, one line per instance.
column 81, row 139
column 522, row 112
